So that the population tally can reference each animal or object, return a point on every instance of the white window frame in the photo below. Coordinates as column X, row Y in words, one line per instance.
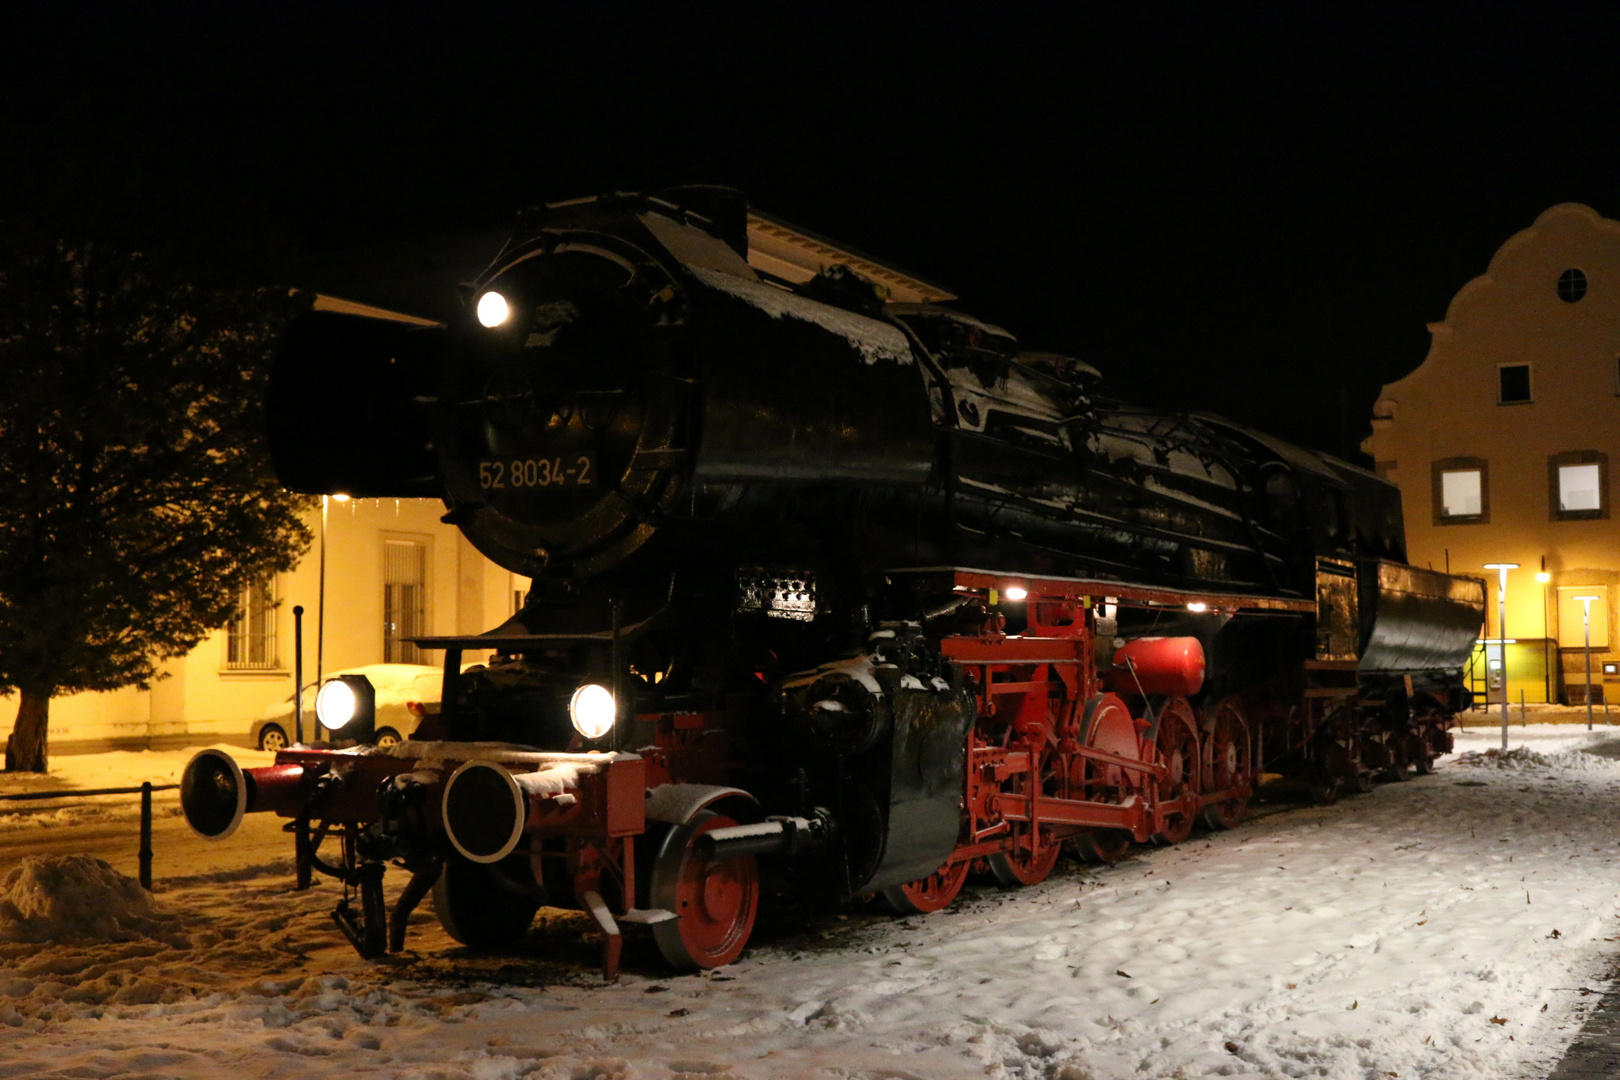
column 250, row 637
column 1530, row 377
column 400, row 617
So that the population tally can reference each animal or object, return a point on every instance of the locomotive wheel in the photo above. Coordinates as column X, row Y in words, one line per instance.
column 932, row 893
column 1325, row 786
column 478, row 910
column 1177, row 750
column 716, row 901
column 1031, row 853
column 1422, row 755
column 1400, row 761
column 1112, row 730
column 1229, row 765
column 1348, row 766
column 1106, row 846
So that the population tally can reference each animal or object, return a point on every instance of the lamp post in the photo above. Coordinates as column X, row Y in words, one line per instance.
column 1586, row 626
column 1501, row 569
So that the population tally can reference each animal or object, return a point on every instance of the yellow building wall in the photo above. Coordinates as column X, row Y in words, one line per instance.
column 1448, row 408
column 200, row 700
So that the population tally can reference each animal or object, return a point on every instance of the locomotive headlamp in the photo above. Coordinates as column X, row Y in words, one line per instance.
column 348, row 704
column 592, row 710
column 493, row 309
column 1016, row 593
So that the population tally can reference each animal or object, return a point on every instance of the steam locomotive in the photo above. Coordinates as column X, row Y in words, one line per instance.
column 856, row 594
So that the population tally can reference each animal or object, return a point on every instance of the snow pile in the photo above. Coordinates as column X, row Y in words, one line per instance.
column 1448, row 927
column 69, row 897
column 1522, row 757
column 875, row 340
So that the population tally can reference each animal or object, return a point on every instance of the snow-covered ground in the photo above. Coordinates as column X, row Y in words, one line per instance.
column 1444, row 927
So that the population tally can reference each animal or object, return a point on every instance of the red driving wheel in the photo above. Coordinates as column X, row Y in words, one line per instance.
column 1031, row 851
column 932, row 893
column 715, row 902
column 1177, row 750
column 1229, row 764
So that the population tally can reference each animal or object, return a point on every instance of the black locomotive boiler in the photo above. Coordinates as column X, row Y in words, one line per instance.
column 854, row 592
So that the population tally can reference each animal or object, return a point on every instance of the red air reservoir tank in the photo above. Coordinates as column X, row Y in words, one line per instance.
column 1161, row 665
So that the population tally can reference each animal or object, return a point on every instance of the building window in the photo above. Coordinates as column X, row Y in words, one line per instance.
column 1571, row 285
column 250, row 637
column 404, row 599
column 1578, row 485
column 1462, row 491
column 1512, row 384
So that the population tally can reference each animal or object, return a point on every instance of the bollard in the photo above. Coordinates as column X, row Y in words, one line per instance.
column 146, row 835
column 298, row 674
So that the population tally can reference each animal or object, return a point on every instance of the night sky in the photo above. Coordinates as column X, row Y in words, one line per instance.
column 1247, row 208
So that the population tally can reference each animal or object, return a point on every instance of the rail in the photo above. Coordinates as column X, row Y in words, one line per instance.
column 144, row 791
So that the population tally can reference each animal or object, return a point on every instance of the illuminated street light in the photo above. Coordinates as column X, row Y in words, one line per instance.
column 1586, row 626
column 1501, row 569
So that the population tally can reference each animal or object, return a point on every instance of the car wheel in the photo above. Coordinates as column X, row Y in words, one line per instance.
column 387, row 737
column 272, row 738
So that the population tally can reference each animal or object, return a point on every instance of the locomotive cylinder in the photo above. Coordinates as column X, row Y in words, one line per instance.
column 1158, row 665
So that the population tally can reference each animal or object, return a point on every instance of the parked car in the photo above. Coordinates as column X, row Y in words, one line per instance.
column 397, row 686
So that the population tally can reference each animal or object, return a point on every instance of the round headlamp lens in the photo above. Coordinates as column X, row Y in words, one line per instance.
column 493, row 309
column 335, row 704
column 592, row 710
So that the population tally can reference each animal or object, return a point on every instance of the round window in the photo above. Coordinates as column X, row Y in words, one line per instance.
column 1571, row 285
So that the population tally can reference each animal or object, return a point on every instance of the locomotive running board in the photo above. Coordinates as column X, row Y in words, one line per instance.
column 971, row 579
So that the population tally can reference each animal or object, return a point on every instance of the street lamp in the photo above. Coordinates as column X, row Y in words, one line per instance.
column 1586, row 626
column 1501, row 569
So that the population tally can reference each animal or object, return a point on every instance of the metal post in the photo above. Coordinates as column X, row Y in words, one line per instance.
column 1586, row 627
column 1501, row 643
column 298, row 673
column 1523, row 721
column 1501, row 636
column 320, row 615
column 146, row 835
column 617, row 660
